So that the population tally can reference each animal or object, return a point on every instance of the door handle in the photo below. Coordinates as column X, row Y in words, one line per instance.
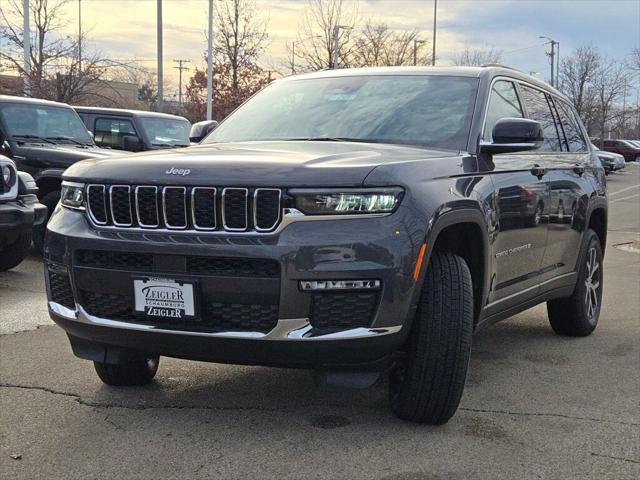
column 538, row 171
column 578, row 169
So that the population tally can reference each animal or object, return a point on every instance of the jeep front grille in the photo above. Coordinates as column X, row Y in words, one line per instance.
column 231, row 209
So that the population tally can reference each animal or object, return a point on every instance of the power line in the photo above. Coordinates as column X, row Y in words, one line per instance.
column 180, row 68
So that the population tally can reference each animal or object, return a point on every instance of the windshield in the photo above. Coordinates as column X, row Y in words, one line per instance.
column 55, row 124
column 163, row 132
column 424, row 110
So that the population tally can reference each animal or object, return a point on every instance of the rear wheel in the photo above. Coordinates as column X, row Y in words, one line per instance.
column 135, row 372
column 51, row 200
column 577, row 315
column 11, row 255
column 428, row 385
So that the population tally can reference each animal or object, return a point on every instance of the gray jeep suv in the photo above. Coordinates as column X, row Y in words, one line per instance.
column 349, row 221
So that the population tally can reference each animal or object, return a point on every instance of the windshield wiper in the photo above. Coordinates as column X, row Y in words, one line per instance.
column 332, row 139
column 67, row 139
column 34, row 137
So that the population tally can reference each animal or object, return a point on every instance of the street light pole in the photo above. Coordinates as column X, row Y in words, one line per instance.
column 79, row 35
column 435, row 16
column 210, row 63
column 159, row 52
column 26, row 61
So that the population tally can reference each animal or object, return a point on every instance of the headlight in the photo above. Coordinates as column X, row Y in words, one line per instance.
column 347, row 201
column 7, row 175
column 72, row 195
column 8, row 180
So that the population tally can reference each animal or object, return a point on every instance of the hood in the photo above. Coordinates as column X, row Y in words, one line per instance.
column 61, row 156
column 282, row 164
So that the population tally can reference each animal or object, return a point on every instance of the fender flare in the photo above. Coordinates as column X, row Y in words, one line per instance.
column 453, row 217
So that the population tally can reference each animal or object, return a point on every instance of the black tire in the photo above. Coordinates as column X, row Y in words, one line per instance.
column 51, row 199
column 135, row 372
column 428, row 385
column 12, row 255
column 577, row 315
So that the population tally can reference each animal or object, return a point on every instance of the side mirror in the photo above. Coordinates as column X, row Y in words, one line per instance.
column 131, row 143
column 200, row 130
column 514, row 135
column 90, row 133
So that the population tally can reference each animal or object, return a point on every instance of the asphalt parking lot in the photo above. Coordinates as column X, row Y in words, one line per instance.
column 535, row 406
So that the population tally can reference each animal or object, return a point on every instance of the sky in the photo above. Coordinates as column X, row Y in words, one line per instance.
column 126, row 29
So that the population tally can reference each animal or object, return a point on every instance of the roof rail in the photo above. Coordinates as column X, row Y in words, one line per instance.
column 498, row 65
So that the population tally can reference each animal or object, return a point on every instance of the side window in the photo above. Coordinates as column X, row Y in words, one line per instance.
column 503, row 103
column 539, row 110
column 110, row 132
column 572, row 132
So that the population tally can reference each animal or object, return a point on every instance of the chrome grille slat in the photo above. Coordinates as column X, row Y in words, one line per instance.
column 262, row 206
column 232, row 201
column 139, row 192
column 209, row 206
column 94, row 209
column 115, row 191
column 171, row 208
column 168, row 224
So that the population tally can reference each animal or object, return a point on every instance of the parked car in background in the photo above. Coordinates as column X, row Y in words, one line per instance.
column 19, row 212
column 44, row 138
column 199, row 130
column 628, row 150
column 610, row 161
column 353, row 221
column 135, row 130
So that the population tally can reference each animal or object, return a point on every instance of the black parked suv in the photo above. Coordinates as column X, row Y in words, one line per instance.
column 44, row 138
column 135, row 130
column 350, row 221
column 19, row 212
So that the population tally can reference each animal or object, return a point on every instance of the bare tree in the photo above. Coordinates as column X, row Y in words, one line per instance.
column 475, row 57
column 316, row 33
column 577, row 73
column 610, row 82
column 56, row 71
column 376, row 45
column 241, row 37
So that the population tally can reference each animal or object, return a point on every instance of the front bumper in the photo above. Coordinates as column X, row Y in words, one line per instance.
column 19, row 215
column 369, row 248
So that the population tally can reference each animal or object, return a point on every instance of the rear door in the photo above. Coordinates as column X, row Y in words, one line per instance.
column 570, row 179
column 520, row 193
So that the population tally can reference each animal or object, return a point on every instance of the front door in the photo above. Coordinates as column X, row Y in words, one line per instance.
column 520, row 196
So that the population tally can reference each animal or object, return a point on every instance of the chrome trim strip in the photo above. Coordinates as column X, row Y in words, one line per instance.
column 155, row 194
column 288, row 329
column 255, row 209
column 291, row 215
column 113, row 217
column 193, row 208
column 246, row 208
column 104, row 199
column 164, row 208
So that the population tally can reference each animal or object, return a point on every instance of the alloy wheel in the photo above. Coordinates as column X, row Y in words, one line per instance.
column 592, row 282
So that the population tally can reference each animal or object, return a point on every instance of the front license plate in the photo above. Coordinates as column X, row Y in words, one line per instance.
column 163, row 297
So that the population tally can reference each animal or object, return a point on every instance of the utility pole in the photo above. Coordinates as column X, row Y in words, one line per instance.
column 435, row 16
column 79, row 35
column 159, row 52
column 26, row 62
column 293, row 57
column 335, row 60
column 180, row 68
column 552, row 56
column 416, row 42
column 210, row 63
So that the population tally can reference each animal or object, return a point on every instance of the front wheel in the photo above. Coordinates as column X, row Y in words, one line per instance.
column 135, row 372
column 428, row 385
column 577, row 315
